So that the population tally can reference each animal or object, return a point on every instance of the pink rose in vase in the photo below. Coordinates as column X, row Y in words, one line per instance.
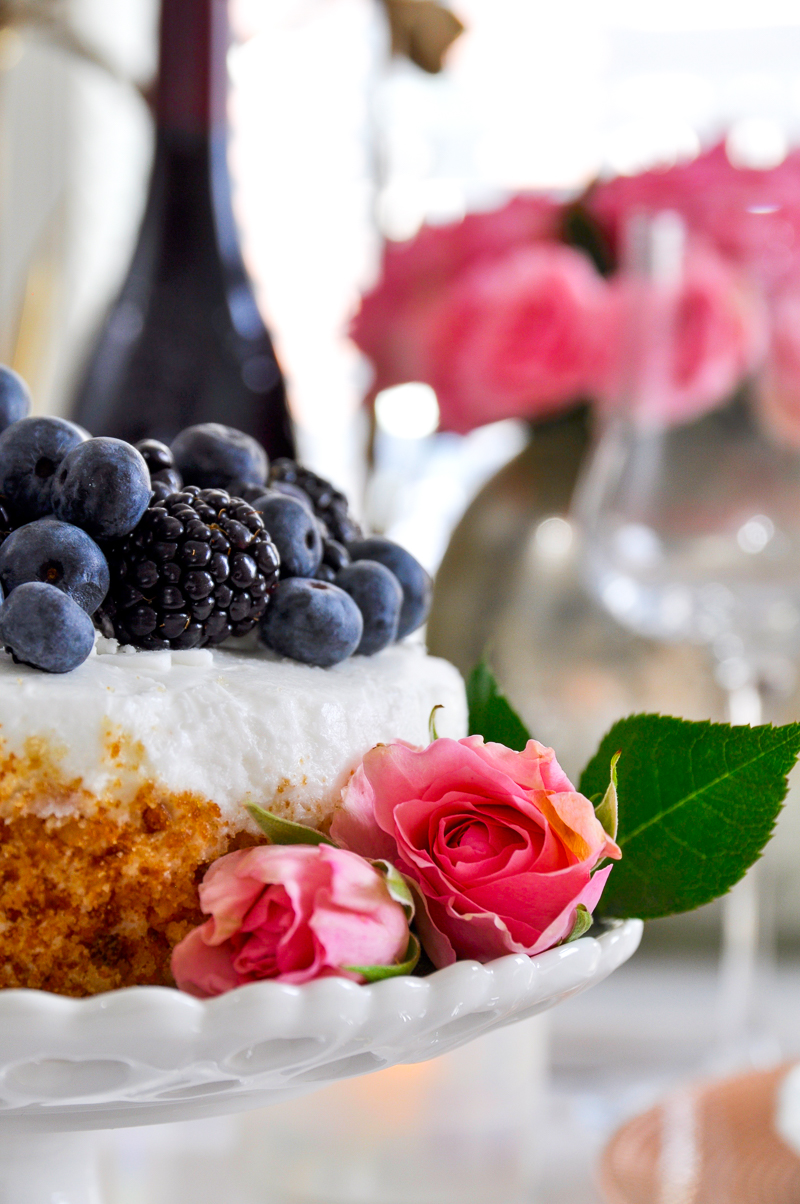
column 751, row 216
column 291, row 913
column 517, row 336
column 500, row 845
column 391, row 324
column 675, row 351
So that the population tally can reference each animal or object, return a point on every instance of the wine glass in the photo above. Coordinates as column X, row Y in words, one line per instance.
column 692, row 533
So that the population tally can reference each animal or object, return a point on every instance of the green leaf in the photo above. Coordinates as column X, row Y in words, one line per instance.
column 376, row 973
column 432, row 733
column 697, row 804
column 583, row 922
column 490, row 713
column 284, row 831
column 607, row 810
column 397, row 886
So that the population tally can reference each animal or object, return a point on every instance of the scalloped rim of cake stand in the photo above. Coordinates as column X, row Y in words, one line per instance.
column 147, row 1055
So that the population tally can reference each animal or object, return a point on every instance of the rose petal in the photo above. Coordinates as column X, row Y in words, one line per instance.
column 563, row 924
column 435, row 943
column 479, row 935
column 354, row 824
column 201, row 969
column 535, row 767
column 572, row 816
column 532, row 899
column 375, row 939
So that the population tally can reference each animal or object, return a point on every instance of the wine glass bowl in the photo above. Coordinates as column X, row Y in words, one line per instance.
column 692, row 533
column 691, row 524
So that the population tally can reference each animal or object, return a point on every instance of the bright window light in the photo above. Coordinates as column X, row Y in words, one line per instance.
column 756, row 142
column 408, row 411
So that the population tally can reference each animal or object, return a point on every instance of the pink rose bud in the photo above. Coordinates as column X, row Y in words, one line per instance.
column 291, row 913
column 499, row 843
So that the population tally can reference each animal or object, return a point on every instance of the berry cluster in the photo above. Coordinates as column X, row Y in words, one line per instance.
column 184, row 546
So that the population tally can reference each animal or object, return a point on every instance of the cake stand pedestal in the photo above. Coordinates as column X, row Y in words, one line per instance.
column 148, row 1055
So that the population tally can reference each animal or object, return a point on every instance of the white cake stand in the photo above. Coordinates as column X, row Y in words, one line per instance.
column 147, row 1055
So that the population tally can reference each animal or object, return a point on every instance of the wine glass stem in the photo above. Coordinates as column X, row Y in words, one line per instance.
column 741, row 920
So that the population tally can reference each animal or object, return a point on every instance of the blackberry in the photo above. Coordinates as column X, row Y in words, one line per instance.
column 155, row 454
column 330, row 506
column 161, row 465
column 197, row 568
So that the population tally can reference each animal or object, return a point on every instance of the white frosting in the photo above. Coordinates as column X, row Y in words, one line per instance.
column 228, row 725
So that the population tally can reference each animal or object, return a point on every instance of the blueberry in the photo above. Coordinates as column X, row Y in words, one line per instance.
column 293, row 491
column 377, row 594
column 312, row 621
column 214, row 456
column 15, row 398
column 60, row 554
column 294, row 532
column 415, row 582
column 103, row 486
column 30, row 453
column 41, row 626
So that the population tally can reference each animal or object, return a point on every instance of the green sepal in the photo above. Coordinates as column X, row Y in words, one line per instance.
column 284, row 831
column 432, row 733
column 583, row 922
column 606, row 811
column 397, row 886
column 490, row 713
column 376, row 973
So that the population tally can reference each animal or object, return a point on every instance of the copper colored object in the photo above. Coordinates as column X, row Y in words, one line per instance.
column 423, row 31
column 709, row 1144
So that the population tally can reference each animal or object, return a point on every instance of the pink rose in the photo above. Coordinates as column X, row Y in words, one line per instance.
column 516, row 337
column 678, row 351
column 752, row 217
column 292, row 913
column 499, row 843
column 391, row 324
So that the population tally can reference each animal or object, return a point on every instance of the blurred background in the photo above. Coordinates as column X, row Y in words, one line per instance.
column 532, row 276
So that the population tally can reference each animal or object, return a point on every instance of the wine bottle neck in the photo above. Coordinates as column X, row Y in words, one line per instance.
column 192, row 77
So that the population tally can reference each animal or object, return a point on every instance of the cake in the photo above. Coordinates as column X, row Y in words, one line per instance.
column 121, row 780
column 193, row 637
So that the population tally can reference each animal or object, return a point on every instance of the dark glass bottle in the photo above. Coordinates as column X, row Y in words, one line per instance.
column 184, row 341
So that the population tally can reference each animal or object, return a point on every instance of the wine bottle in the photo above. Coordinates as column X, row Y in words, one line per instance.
column 184, row 341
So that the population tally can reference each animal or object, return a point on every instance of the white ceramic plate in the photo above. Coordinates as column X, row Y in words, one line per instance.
column 149, row 1054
